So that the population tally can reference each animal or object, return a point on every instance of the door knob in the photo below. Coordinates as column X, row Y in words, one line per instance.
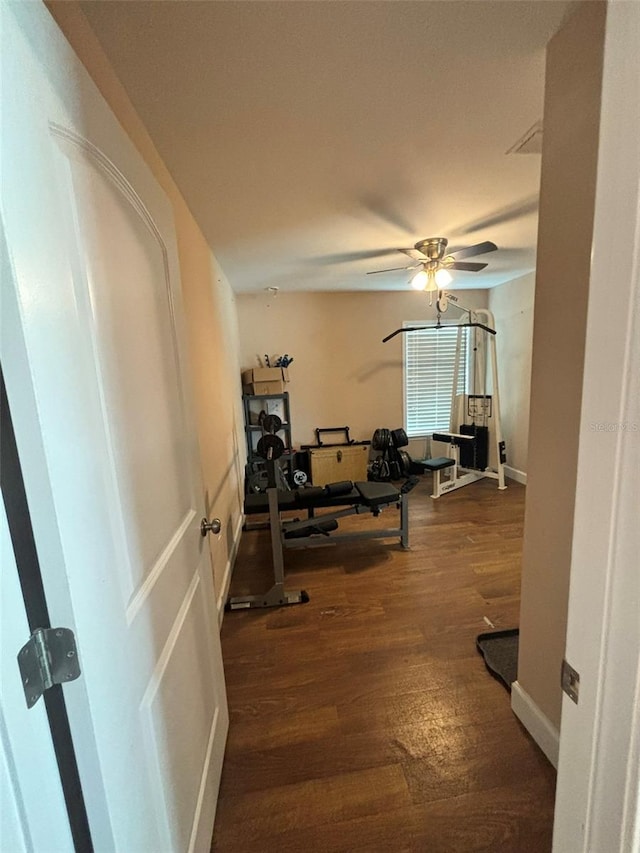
column 213, row 526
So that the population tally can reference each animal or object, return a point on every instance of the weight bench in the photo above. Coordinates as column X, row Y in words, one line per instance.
column 455, row 440
column 345, row 498
column 460, row 474
column 440, row 463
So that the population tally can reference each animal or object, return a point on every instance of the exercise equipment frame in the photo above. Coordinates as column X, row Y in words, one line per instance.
column 459, row 476
column 356, row 502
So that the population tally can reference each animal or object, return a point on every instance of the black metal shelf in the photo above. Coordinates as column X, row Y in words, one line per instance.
column 286, row 461
column 257, row 428
column 280, row 396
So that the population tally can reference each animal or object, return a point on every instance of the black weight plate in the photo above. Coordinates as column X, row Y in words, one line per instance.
column 376, row 439
column 270, row 447
column 405, row 462
column 399, row 438
column 271, row 423
column 380, row 439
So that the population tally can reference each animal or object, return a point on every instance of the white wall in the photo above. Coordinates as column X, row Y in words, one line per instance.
column 342, row 374
column 512, row 306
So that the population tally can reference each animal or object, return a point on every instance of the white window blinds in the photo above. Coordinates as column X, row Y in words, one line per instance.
column 429, row 363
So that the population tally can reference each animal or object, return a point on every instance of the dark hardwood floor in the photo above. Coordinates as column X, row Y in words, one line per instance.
column 365, row 720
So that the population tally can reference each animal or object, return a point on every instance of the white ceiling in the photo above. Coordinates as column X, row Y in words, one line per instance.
column 309, row 137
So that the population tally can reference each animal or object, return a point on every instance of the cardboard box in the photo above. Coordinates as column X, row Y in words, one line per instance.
column 264, row 380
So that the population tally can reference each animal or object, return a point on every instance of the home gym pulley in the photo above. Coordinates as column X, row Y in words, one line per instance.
column 475, row 446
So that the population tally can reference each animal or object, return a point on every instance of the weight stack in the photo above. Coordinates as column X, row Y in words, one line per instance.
column 475, row 456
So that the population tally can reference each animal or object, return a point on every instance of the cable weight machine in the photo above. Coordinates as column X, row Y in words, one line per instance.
column 475, row 449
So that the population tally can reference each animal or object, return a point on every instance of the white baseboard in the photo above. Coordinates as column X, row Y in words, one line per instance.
column 536, row 723
column 228, row 570
column 515, row 474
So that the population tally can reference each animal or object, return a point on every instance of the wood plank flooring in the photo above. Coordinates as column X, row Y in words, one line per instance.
column 365, row 720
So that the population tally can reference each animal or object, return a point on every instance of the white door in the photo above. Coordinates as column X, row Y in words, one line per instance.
column 25, row 738
column 598, row 799
column 94, row 362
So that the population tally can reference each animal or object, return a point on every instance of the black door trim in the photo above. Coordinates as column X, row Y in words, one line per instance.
column 24, row 547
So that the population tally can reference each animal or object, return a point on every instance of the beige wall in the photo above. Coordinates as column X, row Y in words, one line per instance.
column 569, row 161
column 209, row 306
column 342, row 374
column 512, row 307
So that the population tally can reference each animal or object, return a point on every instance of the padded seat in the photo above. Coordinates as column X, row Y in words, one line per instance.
column 438, row 463
column 377, row 494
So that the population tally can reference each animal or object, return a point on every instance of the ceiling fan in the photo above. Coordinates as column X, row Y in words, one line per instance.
column 433, row 264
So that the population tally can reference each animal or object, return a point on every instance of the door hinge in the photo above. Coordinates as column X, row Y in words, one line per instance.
column 50, row 657
column 570, row 681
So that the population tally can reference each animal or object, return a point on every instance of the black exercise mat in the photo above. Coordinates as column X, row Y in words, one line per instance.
column 500, row 652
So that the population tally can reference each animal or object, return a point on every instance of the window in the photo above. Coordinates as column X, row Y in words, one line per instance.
column 429, row 363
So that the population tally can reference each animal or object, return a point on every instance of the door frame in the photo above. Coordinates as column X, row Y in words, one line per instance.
column 598, row 795
column 35, row 604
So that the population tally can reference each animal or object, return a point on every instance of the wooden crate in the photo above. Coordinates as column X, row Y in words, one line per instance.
column 332, row 464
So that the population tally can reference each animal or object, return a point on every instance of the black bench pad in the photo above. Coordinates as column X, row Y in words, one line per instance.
column 259, row 502
column 377, row 494
column 438, row 463
column 312, row 500
column 368, row 494
column 297, row 500
column 454, row 438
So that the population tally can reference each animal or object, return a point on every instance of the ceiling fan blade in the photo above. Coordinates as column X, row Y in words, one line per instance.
column 416, row 254
column 472, row 251
column 393, row 269
column 468, row 266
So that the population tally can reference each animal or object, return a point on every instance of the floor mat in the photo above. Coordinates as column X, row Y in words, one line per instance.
column 500, row 652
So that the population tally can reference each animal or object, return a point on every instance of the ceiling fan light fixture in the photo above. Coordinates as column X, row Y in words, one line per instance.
column 443, row 278
column 420, row 280
column 430, row 256
column 432, row 286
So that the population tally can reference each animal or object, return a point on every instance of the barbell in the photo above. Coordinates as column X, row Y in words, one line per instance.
column 270, row 447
